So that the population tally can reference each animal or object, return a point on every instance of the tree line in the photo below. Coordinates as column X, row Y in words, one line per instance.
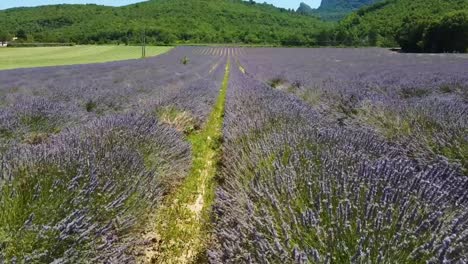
column 163, row 22
column 413, row 25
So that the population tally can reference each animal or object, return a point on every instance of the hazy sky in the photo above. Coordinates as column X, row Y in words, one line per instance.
column 15, row 3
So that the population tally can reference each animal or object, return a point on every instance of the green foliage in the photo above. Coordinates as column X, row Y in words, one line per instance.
column 6, row 134
column 37, row 123
column 295, row 40
column 185, row 60
column 164, row 21
column 4, row 36
column 410, row 35
column 407, row 93
column 90, row 106
column 345, row 4
column 275, row 82
column 415, row 25
column 447, row 34
column 21, row 34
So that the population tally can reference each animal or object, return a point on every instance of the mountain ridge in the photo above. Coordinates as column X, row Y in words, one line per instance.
column 335, row 10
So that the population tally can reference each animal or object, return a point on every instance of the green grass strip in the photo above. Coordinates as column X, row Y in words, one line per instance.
column 183, row 226
column 13, row 58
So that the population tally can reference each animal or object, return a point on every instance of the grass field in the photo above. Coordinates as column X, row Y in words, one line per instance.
column 12, row 58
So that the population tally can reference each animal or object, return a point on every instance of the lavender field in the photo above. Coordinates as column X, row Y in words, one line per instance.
column 237, row 155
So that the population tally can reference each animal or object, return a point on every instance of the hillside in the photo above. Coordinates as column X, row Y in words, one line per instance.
column 335, row 10
column 344, row 4
column 164, row 21
column 382, row 24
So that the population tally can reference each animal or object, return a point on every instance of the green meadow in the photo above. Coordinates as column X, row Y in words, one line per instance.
column 12, row 58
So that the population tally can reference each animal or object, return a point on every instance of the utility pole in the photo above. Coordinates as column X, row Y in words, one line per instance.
column 143, row 44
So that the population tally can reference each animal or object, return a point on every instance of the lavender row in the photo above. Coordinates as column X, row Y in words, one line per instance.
column 369, row 68
column 417, row 101
column 35, row 103
column 79, row 194
column 98, row 89
column 299, row 188
column 85, row 156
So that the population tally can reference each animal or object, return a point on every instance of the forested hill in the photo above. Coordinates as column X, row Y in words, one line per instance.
column 415, row 25
column 335, row 10
column 164, row 21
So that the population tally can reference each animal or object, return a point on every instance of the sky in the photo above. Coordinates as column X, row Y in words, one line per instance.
column 16, row 3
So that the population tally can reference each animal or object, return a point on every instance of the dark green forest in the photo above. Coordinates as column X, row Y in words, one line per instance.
column 413, row 25
column 163, row 22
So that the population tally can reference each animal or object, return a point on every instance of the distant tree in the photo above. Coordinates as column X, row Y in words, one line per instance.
column 410, row 35
column 414, row 25
column 449, row 34
column 168, row 22
column 4, row 36
column 167, row 38
column 251, row 38
column 325, row 38
column 294, row 40
column 373, row 37
column 21, row 34
column 125, row 40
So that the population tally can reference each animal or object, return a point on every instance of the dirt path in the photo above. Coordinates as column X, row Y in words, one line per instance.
column 180, row 232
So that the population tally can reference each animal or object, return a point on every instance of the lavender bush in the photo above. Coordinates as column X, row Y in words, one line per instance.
column 84, row 159
column 80, row 193
column 299, row 187
column 417, row 101
column 329, row 155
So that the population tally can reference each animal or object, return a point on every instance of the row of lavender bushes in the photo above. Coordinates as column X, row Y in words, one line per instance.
column 419, row 102
column 84, row 158
column 297, row 185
